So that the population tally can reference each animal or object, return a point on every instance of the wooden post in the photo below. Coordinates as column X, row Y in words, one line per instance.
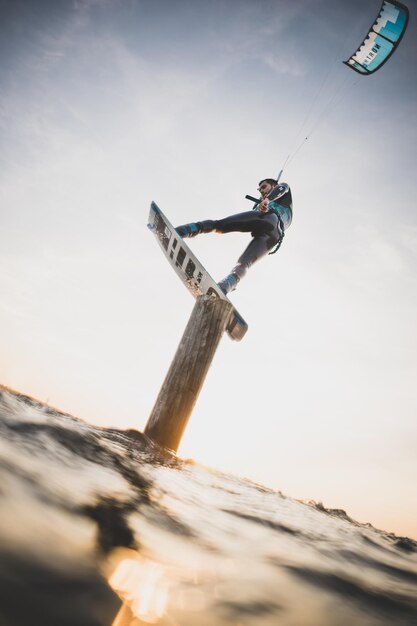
column 188, row 371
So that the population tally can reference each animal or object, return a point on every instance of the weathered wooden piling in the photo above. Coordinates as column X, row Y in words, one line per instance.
column 188, row 370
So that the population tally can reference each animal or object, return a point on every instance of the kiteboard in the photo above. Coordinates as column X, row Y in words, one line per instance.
column 192, row 273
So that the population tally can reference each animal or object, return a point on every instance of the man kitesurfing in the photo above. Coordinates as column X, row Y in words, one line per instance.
column 272, row 213
column 267, row 222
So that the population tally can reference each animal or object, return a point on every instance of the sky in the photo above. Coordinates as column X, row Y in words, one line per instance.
column 106, row 105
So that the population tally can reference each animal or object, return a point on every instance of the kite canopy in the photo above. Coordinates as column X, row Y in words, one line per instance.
column 382, row 40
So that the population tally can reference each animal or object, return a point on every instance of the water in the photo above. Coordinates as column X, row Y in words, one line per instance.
column 98, row 527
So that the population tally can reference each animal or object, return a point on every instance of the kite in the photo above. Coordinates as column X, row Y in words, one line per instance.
column 382, row 40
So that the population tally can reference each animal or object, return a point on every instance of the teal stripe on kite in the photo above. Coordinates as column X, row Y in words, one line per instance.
column 392, row 30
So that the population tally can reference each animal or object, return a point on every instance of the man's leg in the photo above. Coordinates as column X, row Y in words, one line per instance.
column 247, row 222
column 257, row 248
column 264, row 228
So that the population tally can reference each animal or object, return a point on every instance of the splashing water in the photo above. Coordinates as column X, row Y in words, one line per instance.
column 99, row 527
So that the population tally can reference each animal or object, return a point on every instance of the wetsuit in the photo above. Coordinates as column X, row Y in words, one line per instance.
column 267, row 228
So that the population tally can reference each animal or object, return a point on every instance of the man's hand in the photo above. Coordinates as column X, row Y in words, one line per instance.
column 263, row 206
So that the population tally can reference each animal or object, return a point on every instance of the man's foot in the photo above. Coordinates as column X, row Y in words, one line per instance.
column 189, row 230
column 229, row 283
column 195, row 228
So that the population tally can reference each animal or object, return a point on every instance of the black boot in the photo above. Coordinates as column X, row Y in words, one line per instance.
column 195, row 228
column 229, row 283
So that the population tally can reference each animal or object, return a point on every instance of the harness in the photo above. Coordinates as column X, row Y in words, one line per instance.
column 274, row 194
column 280, row 240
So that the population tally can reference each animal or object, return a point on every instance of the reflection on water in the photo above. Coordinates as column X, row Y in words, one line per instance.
column 99, row 528
column 143, row 587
